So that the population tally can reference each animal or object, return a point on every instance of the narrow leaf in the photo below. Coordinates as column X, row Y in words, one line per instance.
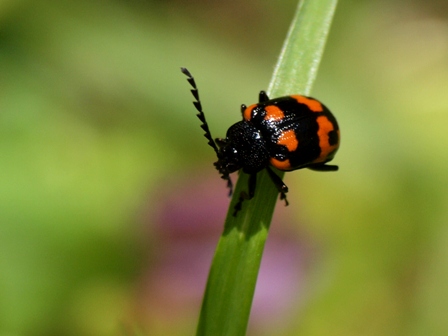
column 233, row 274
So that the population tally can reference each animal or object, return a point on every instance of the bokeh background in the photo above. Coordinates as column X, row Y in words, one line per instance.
column 110, row 208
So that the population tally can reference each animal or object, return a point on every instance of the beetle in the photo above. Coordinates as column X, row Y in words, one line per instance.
column 287, row 133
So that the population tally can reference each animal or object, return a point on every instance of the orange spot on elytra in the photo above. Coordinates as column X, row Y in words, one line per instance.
column 325, row 127
column 312, row 104
column 247, row 115
column 288, row 139
column 273, row 113
column 282, row 165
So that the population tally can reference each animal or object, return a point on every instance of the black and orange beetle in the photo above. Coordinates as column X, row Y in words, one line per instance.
column 287, row 133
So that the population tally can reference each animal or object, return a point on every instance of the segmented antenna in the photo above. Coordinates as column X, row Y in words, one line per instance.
column 198, row 106
column 204, row 126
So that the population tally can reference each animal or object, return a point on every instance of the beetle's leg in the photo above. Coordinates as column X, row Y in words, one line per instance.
column 243, row 108
column 323, row 167
column 281, row 187
column 244, row 195
column 262, row 97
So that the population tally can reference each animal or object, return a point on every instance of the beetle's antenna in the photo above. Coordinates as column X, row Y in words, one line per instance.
column 198, row 106
column 204, row 126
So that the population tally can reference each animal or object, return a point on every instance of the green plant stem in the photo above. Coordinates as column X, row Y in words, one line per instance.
column 233, row 274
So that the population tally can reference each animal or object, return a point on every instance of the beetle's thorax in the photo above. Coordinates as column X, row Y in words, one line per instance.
column 244, row 147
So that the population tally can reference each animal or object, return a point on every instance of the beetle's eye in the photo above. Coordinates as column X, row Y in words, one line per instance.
column 220, row 142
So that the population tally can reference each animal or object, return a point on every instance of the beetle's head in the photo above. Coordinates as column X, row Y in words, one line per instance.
column 228, row 160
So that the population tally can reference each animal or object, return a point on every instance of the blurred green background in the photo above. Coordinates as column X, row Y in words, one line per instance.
column 109, row 205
